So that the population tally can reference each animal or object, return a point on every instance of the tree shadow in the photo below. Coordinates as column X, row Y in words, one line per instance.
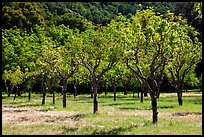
column 15, row 110
column 77, row 117
column 186, row 113
column 166, row 100
column 115, row 131
column 117, row 104
column 165, row 107
column 135, row 108
column 68, row 129
column 30, row 105
column 145, row 108
column 112, row 96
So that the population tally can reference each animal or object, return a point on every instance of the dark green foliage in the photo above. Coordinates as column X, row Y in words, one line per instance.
column 22, row 15
column 186, row 9
column 74, row 21
column 103, row 12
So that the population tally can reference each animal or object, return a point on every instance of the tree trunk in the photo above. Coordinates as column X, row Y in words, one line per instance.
column 9, row 94
column 14, row 97
column 53, row 97
column 7, row 90
column 29, row 94
column 154, row 109
column 158, row 94
column 64, row 98
column 75, row 89
column 133, row 91
column 145, row 91
column 91, row 90
column 105, row 89
column 19, row 93
column 95, row 98
column 141, row 98
column 125, row 92
column 179, row 94
column 114, row 91
column 64, row 92
column 44, row 94
column 15, row 88
column 158, row 91
column 29, row 91
column 142, row 93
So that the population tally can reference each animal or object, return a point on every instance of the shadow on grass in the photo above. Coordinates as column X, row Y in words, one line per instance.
column 12, row 96
column 135, row 108
column 117, row 104
column 77, row 117
column 117, row 131
column 165, row 107
column 113, row 104
column 186, row 113
column 111, row 96
column 166, row 100
column 114, row 131
column 30, row 105
column 145, row 108
column 68, row 129
column 15, row 110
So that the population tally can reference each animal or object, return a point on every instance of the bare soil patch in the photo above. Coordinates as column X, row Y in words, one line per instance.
column 34, row 116
column 183, row 94
column 186, row 113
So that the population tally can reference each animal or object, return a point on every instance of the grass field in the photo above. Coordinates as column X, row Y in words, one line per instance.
column 125, row 116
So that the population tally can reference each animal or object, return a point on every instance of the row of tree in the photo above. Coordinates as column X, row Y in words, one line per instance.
column 146, row 47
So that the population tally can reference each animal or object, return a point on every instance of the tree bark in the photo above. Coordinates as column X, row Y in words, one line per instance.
column 15, row 88
column 19, row 92
column 105, row 89
column 91, row 90
column 64, row 93
column 44, row 94
column 158, row 91
column 133, row 91
column 7, row 89
column 145, row 91
column 141, row 98
column 154, row 109
column 95, row 98
column 125, row 92
column 64, row 99
column 29, row 91
column 158, row 94
column 179, row 94
column 53, row 96
column 29, row 94
column 75, row 89
column 9, row 94
column 114, row 91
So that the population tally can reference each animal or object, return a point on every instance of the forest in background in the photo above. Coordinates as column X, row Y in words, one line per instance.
column 75, row 14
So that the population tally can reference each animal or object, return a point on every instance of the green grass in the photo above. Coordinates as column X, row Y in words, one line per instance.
column 125, row 116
